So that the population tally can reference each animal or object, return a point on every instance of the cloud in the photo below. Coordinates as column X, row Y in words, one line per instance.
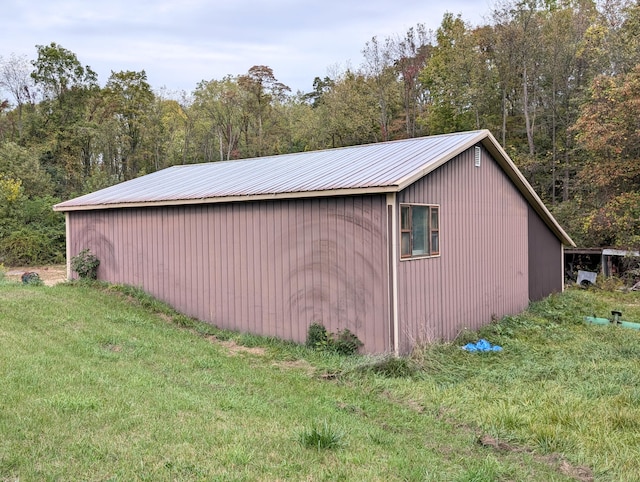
column 179, row 44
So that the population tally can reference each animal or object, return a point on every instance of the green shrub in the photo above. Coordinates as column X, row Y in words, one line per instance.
column 317, row 336
column 30, row 245
column 85, row 263
column 31, row 232
column 343, row 342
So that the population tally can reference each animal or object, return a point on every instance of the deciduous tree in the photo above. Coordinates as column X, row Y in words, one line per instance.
column 411, row 53
column 221, row 105
column 60, row 124
column 454, row 78
column 15, row 79
column 58, row 70
column 608, row 130
column 263, row 92
column 129, row 100
column 378, row 68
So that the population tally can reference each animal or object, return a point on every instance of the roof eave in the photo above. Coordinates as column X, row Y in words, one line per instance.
column 226, row 199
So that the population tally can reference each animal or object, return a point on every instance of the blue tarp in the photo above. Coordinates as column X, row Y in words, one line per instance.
column 481, row 345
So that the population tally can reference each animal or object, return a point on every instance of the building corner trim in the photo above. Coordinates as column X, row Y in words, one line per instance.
column 393, row 271
column 68, row 245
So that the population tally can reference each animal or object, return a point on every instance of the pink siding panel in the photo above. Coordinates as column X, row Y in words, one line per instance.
column 546, row 271
column 483, row 268
column 269, row 268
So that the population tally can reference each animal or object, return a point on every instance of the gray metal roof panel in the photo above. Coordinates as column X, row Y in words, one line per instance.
column 380, row 165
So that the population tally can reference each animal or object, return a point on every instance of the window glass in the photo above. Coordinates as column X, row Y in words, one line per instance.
column 435, row 244
column 405, row 242
column 404, row 217
column 434, row 218
column 419, row 230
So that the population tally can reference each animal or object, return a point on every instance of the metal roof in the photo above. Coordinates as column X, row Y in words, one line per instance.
column 368, row 166
column 619, row 252
column 371, row 168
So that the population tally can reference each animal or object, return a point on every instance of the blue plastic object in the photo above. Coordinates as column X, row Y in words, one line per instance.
column 481, row 345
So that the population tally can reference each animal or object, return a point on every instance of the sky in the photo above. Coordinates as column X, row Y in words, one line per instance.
column 179, row 43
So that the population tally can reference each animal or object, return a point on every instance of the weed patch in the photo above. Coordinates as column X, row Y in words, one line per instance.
column 391, row 366
column 344, row 342
column 321, row 436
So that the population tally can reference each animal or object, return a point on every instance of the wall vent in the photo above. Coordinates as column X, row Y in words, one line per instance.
column 478, row 157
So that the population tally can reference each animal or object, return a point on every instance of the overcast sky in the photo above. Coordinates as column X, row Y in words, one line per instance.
column 181, row 42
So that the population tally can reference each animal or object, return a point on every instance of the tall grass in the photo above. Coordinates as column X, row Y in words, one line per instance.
column 560, row 386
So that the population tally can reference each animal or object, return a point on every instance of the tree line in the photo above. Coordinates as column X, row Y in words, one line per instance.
column 556, row 81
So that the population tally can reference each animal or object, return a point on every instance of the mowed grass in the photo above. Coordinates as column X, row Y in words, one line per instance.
column 105, row 383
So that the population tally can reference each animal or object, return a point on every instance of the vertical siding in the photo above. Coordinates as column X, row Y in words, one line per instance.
column 545, row 259
column 483, row 268
column 269, row 267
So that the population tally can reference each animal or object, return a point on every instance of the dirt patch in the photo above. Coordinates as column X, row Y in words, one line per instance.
column 577, row 472
column 296, row 364
column 50, row 275
column 408, row 403
column 580, row 473
column 234, row 348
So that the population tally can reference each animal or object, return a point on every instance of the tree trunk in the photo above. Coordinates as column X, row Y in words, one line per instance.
column 504, row 117
column 527, row 118
column 553, row 144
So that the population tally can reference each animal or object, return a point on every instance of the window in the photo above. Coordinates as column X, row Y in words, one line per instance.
column 419, row 230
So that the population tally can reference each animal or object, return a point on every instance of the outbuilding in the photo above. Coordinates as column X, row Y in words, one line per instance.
column 403, row 242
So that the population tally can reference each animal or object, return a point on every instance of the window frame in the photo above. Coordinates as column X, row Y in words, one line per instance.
column 406, row 228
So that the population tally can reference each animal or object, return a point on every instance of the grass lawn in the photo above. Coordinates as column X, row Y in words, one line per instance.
column 104, row 383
